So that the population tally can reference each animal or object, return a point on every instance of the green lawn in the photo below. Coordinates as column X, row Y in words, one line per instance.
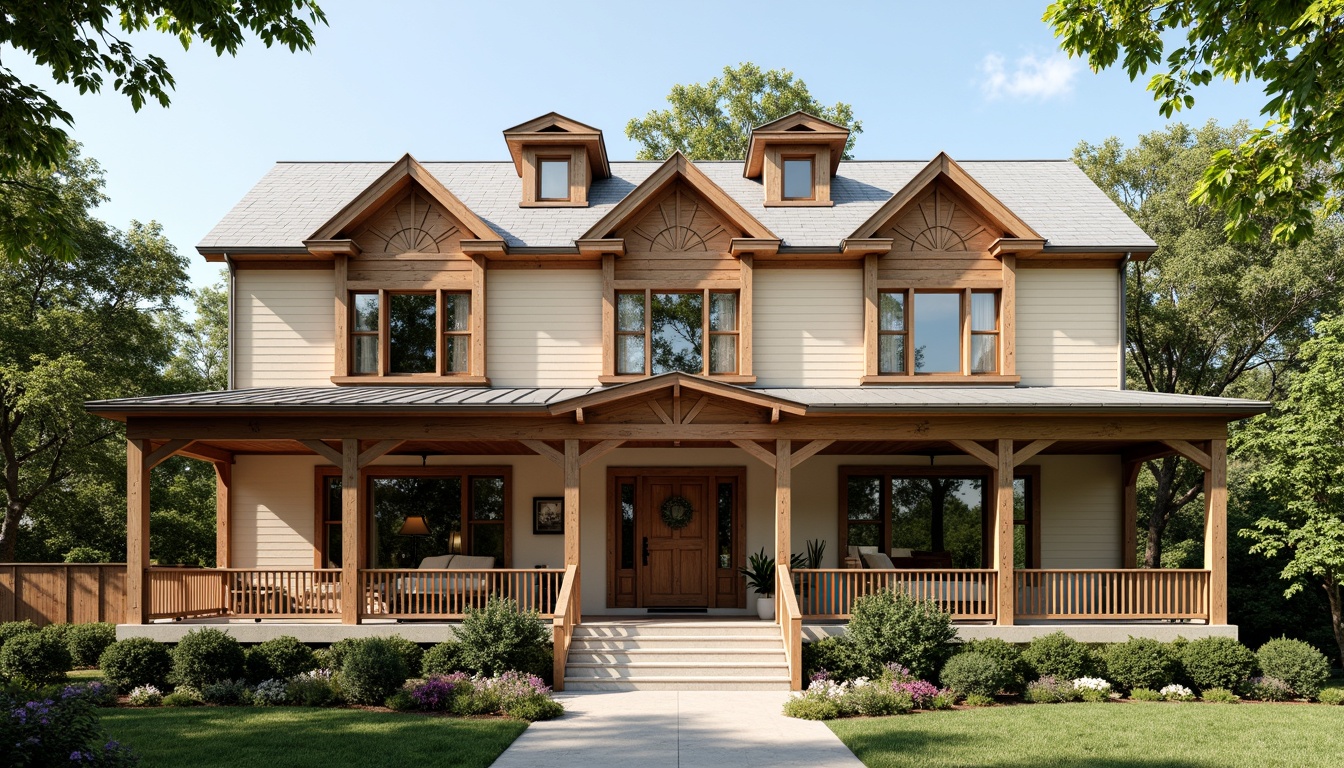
column 1115, row 735
column 291, row 737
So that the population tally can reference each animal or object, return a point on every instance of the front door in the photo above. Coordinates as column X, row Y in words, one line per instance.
column 674, row 562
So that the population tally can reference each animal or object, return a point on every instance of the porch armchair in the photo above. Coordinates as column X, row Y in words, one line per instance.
column 442, row 592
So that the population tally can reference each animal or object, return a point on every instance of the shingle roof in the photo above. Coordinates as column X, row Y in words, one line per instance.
column 830, row 399
column 295, row 198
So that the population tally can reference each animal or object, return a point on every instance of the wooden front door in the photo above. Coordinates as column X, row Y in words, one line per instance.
column 674, row 563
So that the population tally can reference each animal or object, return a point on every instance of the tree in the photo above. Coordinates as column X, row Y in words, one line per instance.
column 1287, row 176
column 79, row 44
column 1205, row 315
column 713, row 121
column 77, row 329
column 1300, row 448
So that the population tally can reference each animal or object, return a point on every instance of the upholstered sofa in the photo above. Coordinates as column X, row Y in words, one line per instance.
column 871, row 558
column 434, row 592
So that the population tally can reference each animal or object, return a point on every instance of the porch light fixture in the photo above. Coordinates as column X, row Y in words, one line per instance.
column 414, row 525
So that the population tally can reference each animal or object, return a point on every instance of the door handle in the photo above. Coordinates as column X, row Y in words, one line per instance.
column 646, row 550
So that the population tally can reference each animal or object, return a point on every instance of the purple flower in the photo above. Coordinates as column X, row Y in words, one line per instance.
column 921, row 691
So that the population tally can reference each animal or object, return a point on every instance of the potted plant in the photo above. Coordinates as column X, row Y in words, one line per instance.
column 760, row 573
column 816, row 549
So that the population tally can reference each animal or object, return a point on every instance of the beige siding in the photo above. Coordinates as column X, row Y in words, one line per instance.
column 544, row 328
column 273, row 512
column 1068, row 327
column 808, row 327
column 1080, row 511
column 284, row 328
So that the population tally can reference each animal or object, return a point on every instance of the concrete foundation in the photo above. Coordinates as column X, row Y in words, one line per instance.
column 1084, row 633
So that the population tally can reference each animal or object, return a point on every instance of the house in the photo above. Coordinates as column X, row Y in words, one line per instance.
column 597, row 386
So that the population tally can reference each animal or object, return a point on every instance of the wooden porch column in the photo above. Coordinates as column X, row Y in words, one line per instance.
column 1215, row 530
column 223, row 514
column 572, row 518
column 783, row 506
column 352, row 533
column 1003, row 532
column 1129, row 513
column 137, row 530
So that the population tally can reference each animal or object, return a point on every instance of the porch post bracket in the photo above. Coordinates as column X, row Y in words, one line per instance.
column 1032, row 448
column 754, row 448
column 378, row 450
column 543, row 449
column 811, row 449
column 598, row 451
column 1189, row 451
column 325, row 451
column 165, row 452
column 978, row 451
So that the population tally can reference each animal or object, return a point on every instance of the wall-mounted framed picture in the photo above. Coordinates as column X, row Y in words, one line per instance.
column 548, row 515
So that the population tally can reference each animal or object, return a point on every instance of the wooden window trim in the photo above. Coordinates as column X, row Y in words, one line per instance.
column 773, row 175
column 873, row 296
column 366, row 491
column 473, row 376
column 541, row 162
column 970, row 332
column 580, row 176
column 811, row 160
column 736, row 376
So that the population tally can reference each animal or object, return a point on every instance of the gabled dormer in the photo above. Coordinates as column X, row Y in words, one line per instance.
column 796, row 155
column 557, row 159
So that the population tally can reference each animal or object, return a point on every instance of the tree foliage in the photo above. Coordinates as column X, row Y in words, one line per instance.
column 1282, row 179
column 1206, row 315
column 713, row 120
column 81, row 45
column 1300, row 452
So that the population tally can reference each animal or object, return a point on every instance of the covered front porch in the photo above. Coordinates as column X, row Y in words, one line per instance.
column 1052, row 474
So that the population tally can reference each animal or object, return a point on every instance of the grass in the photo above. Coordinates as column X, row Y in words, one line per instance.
column 1114, row 735
column 291, row 737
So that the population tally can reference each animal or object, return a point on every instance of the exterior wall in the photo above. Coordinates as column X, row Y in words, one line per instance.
column 1080, row 511
column 273, row 512
column 284, row 328
column 1068, row 327
column 544, row 327
column 808, row 327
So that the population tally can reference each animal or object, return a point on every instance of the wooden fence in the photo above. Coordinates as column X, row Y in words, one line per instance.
column 56, row 593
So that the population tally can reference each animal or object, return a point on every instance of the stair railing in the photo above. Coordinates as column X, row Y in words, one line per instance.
column 563, row 623
column 790, row 624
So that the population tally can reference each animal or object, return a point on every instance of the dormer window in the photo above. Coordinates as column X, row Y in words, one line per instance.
column 553, row 178
column 797, row 183
column 795, row 158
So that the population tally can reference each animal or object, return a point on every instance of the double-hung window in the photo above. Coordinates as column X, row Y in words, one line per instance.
column 424, row 333
column 938, row 332
column 689, row 331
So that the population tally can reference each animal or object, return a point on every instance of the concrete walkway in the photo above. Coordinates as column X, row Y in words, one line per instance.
column 677, row 729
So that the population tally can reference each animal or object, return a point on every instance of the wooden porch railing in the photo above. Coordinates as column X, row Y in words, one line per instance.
column 565, row 617
column 62, row 593
column 829, row 593
column 1158, row 593
column 259, row 593
column 413, row 593
column 790, row 624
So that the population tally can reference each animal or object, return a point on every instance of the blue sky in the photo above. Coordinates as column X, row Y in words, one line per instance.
column 980, row 80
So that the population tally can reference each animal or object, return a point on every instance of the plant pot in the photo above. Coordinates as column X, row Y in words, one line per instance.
column 765, row 607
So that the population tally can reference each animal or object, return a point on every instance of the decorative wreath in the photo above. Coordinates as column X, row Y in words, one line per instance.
column 676, row 512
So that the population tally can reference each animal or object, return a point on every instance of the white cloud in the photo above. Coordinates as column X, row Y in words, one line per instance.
column 1031, row 78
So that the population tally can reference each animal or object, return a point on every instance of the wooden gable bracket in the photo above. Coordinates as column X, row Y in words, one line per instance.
column 677, row 382
column 990, row 458
column 944, row 168
column 796, row 457
column 1189, row 451
column 1016, row 246
column 587, row 457
column 164, row 452
column 362, row 458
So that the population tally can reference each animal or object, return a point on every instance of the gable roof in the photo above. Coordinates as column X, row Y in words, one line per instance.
column 798, row 128
column 675, row 168
column 383, row 189
column 295, row 198
column 552, row 128
column 701, row 384
column 944, row 168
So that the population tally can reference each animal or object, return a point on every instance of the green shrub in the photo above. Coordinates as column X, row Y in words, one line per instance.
column 534, row 708
column 335, row 653
column 401, row 701
column 1052, row 690
column 944, row 700
column 1059, row 655
column 88, row 641
column 807, row 707
column 475, row 697
column 372, row 670
column 205, row 656
column 136, row 661
column 979, row 700
column 181, row 698
column 270, row 693
column 1145, row 694
column 35, row 659
column 412, row 655
column 144, row 696
column 311, row 690
column 831, row 655
column 1141, row 662
column 1270, row 689
column 1009, row 656
column 1332, row 696
column 11, row 629
column 1220, row 696
column 888, row 627
column 86, row 554
column 1298, row 664
column 227, row 693
column 442, row 659
column 279, row 658
column 499, row 638
column 1218, row 662
column 878, row 700
column 60, row 631
column 973, row 673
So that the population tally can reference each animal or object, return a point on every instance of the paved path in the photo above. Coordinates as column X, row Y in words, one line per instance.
column 677, row 729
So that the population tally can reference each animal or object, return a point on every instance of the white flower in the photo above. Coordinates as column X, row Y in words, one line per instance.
column 1091, row 683
column 1176, row 692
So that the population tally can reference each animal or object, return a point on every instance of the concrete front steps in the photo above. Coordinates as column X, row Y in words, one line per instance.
column 665, row 655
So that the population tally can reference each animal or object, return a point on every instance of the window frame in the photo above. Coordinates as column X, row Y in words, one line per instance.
column 784, row 161
column 996, row 333
column 965, row 337
column 384, row 335
column 366, row 475
column 705, row 335
column 568, row 162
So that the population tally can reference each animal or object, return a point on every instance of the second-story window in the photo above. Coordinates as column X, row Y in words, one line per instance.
column 660, row 332
column 424, row 333
column 928, row 332
column 798, row 178
column 553, row 179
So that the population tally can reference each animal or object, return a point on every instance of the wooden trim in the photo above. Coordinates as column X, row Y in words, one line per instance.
column 808, row 451
column 977, row 451
column 137, row 531
column 377, row 450
column 745, row 313
column 598, row 451
column 756, row 451
column 1129, row 513
column 1190, row 452
column 1030, row 450
column 206, row 453
column 609, row 314
column 478, row 315
column 644, row 385
column 327, row 452
column 391, row 183
column 599, row 247
column 352, row 529
column 342, row 317
column 542, row 449
column 695, row 410
column 870, row 319
column 1003, row 531
column 925, row 379
column 223, row 514
column 572, row 513
column 1215, row 530
column 165, row 452
column 1008, row 318
column 412, row 380
column 783, row 504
